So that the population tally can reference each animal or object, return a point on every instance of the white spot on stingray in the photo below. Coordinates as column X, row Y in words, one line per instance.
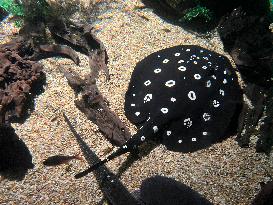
column 181, row 61
column 195, row 62
column 148, row 119
column 224, row 81
column 165, row 61
column 188, row 50
column 225, row 72
column 198, row 58
column 142, row 138
column 188, row 122
column 197, row 76
column 182, row 68
column 158, row 70
column 201, row 51
column 206, row 58
column 209, row 63
column 184, row 77
column 208, row 84
column 148, row 82
column 214, row 77
column 155, row 128
column 134, row 95
column 169, row 133
column 124, row 147
column 192, row 95
column 179, row 141
column 204, row 67
column 164, row 110
column 194, row 56
column 170, row 83
column 205, row 133
column 231, row 78
column 158, row 56
column 193, row 139
column 216, row 103
column 148, row 98
column 133, row 105
column 222, row 92
column 177, row 54
column 173, row 99
column 206, row 116
column 137, row 113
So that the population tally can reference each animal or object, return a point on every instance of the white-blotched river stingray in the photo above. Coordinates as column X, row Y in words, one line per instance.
column 185, row 96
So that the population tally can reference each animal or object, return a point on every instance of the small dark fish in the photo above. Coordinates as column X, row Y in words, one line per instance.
column 143, row 17
column 140, row 7
column 60, row 159
column 54, row 119
column 166, row 30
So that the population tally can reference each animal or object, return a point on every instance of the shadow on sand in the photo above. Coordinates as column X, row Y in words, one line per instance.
column 15, row 158
column 112, row 188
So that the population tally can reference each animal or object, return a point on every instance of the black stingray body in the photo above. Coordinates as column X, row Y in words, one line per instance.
column 185, row 96
column 198, row 88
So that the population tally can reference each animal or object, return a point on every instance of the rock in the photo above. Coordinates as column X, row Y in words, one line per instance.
column 265, row 141
column 19, row 79
column 265, row 196
column 249, row 41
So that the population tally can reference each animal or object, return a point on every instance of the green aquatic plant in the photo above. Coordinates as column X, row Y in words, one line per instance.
column 15, row 9
column 198, row 11
column 271, row 10
column 36, row 10
column 12, row 7
column 189, row 10
column 46, row 11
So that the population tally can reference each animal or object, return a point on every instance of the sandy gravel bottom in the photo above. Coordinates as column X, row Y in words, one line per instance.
column 223, row 173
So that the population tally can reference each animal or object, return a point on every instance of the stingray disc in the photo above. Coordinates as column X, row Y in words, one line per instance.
column 191, row 92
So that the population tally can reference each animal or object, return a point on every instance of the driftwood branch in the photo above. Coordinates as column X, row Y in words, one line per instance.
column 95, row 107
column 91, row 101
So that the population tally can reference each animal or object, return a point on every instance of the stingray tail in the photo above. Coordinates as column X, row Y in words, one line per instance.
column 119, row 152
column 146, row 133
